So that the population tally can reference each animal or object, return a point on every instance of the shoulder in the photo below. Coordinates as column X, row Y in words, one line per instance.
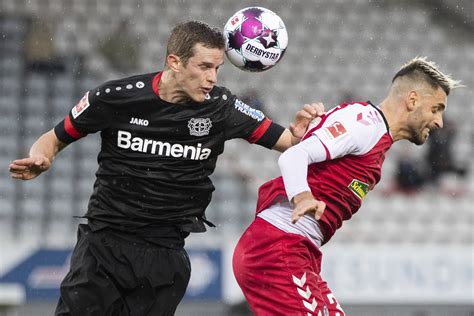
column 361, row 120
column 358, row 122
column 121, row 90
column 348, row 109
column 358, row 115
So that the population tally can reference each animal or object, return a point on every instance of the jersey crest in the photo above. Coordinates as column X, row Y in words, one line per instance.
column 199, row 126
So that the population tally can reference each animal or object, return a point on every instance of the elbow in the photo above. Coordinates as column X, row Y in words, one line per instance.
column 292, row 158
column 283, row 159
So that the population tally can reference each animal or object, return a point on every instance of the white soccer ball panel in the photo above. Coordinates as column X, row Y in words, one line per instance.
column 235, row 58
column 282, row 38
column 234, row 22
column 271, row 20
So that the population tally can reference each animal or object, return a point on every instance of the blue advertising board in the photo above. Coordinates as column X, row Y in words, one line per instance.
column 42, row 272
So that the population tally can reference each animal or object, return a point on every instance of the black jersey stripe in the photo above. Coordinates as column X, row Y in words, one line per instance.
column 271, row 135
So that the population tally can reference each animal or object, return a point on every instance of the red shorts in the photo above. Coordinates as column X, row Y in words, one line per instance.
column 279, row 273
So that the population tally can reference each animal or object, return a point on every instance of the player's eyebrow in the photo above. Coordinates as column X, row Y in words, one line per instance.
column 441, row 106
column 209, row 64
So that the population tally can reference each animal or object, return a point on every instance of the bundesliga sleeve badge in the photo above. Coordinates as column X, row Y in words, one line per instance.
column 81, row 106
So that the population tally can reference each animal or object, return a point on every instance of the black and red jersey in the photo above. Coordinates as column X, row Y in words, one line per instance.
column 156, row 157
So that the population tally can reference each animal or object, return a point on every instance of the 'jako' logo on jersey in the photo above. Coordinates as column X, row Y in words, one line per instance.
column 150, row 146
column 138, row 121
column 199, row 126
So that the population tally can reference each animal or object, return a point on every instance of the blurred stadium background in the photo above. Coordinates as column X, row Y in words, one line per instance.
column 409, row 250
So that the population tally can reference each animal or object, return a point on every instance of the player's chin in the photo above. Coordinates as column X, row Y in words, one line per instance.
column 420, row 139
column 199, row 97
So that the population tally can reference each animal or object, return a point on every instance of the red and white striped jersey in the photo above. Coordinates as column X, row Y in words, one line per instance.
column 355, row 138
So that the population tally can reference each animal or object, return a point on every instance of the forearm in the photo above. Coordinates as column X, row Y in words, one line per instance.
column 285, row 141
column 47, row 145
column 294, row 170
column 294, row 165
column 42, row 154
column 288, row 138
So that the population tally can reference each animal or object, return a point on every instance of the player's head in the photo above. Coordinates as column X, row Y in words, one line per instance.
column 423, row 89
column 185, row 36
column 194, row 53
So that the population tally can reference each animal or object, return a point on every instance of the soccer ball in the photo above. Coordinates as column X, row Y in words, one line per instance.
column 256, row 39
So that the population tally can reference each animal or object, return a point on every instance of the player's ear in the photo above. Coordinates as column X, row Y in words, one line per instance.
column 173, row 62
column 412, row 100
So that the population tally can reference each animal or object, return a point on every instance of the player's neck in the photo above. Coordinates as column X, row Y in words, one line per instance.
column 170, row 90
column 396, row 118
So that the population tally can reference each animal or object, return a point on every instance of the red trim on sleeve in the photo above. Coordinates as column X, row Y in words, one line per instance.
column 258, row 133
column 328, row 155
column 310, row 130
column 70, row 129
column 155, row 82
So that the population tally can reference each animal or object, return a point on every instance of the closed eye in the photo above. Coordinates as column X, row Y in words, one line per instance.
column 440, row 107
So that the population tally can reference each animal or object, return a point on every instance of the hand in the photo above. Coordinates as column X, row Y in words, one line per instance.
column 304, row 116
column 29, row 168
column 305, row 203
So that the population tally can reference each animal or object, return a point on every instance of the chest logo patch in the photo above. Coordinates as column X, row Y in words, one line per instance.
column 199, row 126
column 359, row 188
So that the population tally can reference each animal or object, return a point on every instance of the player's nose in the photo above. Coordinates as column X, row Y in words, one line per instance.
column 439, row 122
column 212, row 76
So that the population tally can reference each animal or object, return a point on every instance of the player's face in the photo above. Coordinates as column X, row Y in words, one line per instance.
column 427, row 116
column 197, row 78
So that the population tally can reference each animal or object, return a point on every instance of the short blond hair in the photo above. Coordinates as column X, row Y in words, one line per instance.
column 421, row 69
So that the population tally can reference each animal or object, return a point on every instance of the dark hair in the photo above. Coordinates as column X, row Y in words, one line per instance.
column 421, row 69
column 186, row 35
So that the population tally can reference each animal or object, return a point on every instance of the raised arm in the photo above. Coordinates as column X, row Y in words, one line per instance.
column 299, row 126
column 41, row 156
column 293, row 164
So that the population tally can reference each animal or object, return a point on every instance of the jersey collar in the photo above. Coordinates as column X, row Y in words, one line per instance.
column 155, row 83
column 381, row 114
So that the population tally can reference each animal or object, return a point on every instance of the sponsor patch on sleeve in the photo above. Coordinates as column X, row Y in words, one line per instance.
column 81, row 106
column 336, row 129
column 247, row 110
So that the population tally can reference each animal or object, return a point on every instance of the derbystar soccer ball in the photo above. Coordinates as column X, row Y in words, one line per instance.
column 256, row 39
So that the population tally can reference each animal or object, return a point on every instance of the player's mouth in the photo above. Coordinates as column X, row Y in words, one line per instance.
column 427, row 132
column 206, row 90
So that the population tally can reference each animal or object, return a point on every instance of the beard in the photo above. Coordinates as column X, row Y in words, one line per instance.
column 416, row 137
column 416, row 127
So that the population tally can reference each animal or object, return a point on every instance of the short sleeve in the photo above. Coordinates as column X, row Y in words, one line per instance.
column 343, row 133
column 251, row 124
column 89, row 115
